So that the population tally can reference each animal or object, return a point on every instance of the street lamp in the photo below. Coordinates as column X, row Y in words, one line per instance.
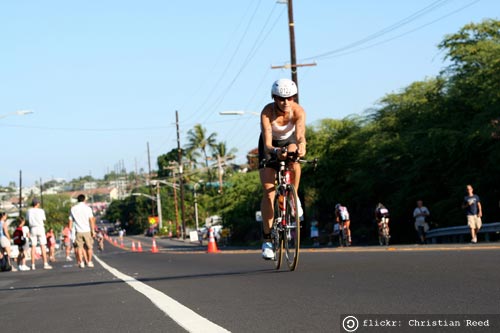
column 196, row 203
column 158, row 200
column 237, row 113
column 18, row 112
column 158, row 204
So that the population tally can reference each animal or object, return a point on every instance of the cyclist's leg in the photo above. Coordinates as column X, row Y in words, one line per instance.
column 267, row 177
column 348, row 230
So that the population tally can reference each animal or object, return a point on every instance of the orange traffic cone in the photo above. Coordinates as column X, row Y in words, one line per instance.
column 139, row 247
column 212, row 245
column 133, row 246
column 121, row 243
column 116, row 243
column 154, row 248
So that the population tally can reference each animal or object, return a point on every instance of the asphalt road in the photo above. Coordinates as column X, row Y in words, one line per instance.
column 237, row 291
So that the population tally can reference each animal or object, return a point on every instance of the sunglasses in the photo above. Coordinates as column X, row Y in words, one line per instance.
column 282, row 99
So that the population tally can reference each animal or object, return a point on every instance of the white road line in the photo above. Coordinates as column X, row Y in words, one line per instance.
column 184, row 316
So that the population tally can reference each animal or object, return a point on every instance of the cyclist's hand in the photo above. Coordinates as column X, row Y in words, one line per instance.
column 301, row 149
column 282, row 154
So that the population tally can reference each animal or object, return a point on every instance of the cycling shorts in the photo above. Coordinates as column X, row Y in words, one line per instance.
column 275, row 143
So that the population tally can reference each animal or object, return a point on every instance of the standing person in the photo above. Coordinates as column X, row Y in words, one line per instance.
column 344, row 221
column 20, row 237
column 51, row 244
column 83, row 218
column 315, row 232
column 420, row 213
column 36, row 218
column 282, row 125
column 474, row 212
column 5, row 238
column 66, row 233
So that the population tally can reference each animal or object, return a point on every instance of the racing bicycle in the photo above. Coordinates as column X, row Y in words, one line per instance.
column 383, row 235
column 285, row 233
column 343, row 237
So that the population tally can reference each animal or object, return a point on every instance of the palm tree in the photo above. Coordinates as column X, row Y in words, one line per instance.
column 220, row 149
column 197, row 140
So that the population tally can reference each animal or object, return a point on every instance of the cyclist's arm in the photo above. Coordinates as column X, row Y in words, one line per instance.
column 300, row 129
column 266, row 129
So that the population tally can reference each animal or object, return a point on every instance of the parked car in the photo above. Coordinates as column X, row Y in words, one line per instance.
column 217, row 232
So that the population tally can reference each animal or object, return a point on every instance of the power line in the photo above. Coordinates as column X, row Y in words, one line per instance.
column 245, row 63
column 124, row 129
column 429, row 8
column 403, row 34
column 228, row 65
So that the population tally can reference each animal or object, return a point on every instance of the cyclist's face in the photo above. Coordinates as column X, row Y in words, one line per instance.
column 284, row 103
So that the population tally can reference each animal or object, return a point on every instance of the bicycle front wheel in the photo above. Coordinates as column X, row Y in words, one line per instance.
column 291, row 233
column 276, row 235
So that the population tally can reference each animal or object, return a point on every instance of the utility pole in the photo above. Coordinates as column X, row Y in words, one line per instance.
column 219, row 168
column 181, row 177
column 293, row 57
column 20, row 192
column 149, row 181
column 41, row 193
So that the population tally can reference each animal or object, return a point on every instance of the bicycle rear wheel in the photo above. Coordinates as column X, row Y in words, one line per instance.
column 276, row 235
column 291, row 234
column 386, row 236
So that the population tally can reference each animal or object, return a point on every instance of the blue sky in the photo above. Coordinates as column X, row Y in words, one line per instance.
column 104, row 78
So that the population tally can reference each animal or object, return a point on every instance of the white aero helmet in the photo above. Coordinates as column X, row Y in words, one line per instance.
column 284, row 88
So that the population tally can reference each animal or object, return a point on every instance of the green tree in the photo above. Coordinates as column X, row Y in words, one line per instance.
column 198, row 140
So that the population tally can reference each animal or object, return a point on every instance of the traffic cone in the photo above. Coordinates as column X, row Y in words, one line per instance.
column 139, row 247
column 133, row 246
column 212, row 245
column 116, row 243
column 121, row 243
column 154, row 248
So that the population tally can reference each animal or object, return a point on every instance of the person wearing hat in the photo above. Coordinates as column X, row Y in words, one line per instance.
column 282, row 126
column 36, row 218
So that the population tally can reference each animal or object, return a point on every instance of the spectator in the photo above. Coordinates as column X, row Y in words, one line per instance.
column 421, row 213
column 66, row 233
column 51, row 244
column 474, row 212
column 36, row 218
column 315, row 232
column 23, row 244
column 83, row 218
column 5, row 238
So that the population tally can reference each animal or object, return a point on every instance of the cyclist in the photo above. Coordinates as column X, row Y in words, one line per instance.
column 381, row 212
column 342, row 218
column 282, row 125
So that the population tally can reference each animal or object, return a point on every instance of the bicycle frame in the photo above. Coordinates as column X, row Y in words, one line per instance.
column 285, row 232
column 384, row 231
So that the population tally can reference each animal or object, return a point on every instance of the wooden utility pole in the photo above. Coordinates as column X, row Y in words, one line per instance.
column 20, row 192
column 153, row 208
column 181, row 177
column 293, row 57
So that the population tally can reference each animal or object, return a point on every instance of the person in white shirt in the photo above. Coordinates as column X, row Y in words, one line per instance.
column 84, row 221
column 36, row 219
